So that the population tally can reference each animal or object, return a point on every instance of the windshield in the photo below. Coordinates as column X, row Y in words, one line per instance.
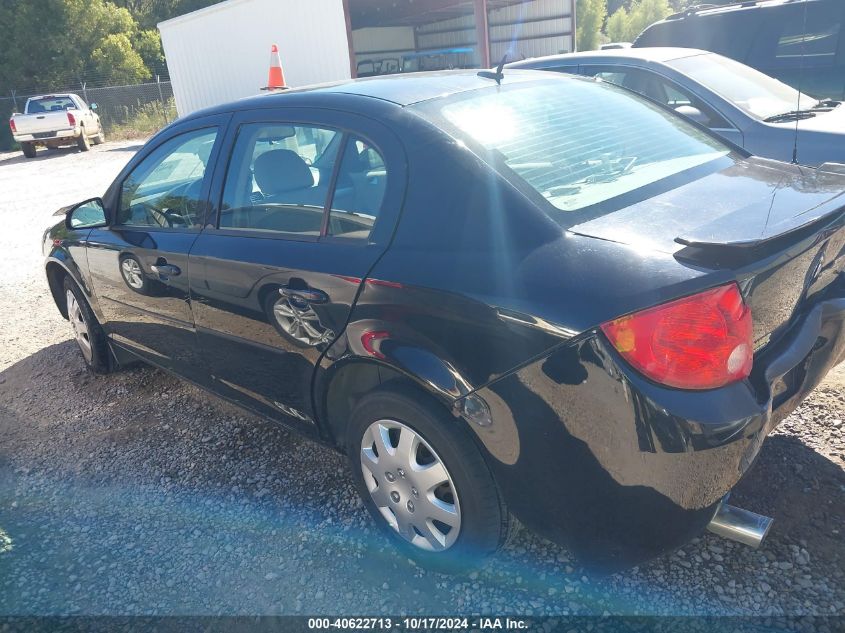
column 49, row 104
column 579, row 144
column 757, row 94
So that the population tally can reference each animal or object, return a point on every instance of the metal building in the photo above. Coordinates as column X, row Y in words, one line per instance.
column 221, row 53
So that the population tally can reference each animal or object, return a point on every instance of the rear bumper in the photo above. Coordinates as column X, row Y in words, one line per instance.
column 67, row 134
column 589, row 453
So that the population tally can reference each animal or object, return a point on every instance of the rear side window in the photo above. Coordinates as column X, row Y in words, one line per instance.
column 284, row 179
column 656, row 88
column 50, row 104
column 579, row 144
column 361, row 182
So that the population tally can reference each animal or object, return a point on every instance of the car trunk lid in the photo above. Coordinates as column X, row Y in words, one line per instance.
column 779, row 226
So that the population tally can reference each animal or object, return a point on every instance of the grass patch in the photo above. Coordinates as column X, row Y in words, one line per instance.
column 142, row 122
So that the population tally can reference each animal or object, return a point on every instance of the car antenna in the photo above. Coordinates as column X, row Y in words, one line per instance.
column 498, row 75
column 800, row 84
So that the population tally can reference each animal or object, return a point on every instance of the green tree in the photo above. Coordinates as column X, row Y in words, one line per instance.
column 114, row 61
column 148, row 45
column 625, row 25
column 590, row 15
column 617, row 26
column 644, row 13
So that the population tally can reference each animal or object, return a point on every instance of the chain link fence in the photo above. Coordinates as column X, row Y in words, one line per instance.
column 131, row 111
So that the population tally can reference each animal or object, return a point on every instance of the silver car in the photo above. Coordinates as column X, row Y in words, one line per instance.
column 741, row 104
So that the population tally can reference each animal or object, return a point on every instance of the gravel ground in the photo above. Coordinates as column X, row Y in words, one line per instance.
column 139, row 494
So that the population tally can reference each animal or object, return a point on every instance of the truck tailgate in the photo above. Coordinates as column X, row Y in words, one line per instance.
column 41, row 123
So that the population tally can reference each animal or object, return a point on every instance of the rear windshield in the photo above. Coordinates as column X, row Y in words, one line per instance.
column 586, row 147
column 49, row 104
column 757, row 94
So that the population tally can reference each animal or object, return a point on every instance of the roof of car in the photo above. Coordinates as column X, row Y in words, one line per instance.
column 401, row 90
column 706, row 8
column 660, row 54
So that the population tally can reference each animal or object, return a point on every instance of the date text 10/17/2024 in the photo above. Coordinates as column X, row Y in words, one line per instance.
column 419, row 624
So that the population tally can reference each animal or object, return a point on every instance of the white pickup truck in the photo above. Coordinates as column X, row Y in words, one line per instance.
column 56, row 120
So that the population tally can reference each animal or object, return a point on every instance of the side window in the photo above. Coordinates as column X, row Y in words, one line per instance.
column 659, row 89
column 163, row 190
column 361, row 182
column 278, row 178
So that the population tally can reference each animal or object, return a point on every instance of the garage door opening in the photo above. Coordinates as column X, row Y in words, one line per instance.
column 423, row 35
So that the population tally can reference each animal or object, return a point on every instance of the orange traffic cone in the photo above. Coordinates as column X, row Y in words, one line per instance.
column 276, row 79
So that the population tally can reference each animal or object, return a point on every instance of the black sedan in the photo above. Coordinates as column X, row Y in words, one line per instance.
column 501, row 295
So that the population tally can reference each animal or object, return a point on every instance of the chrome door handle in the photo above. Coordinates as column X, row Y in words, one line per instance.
column 166, row 270
column 309, row 295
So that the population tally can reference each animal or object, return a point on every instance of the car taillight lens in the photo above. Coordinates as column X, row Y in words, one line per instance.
column 71, row 119
column 699, row 342
column 12, row 125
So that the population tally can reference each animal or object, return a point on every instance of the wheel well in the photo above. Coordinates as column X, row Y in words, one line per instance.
column 349, row 385
column 56, row 278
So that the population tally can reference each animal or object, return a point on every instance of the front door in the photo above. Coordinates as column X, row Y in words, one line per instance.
column 307, row 205
column 139, row 264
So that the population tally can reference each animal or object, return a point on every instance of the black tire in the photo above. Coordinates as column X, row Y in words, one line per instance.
column 100, row 138
column 98, row 362
column 484, row 519
column 83, row 143
column 28, row 149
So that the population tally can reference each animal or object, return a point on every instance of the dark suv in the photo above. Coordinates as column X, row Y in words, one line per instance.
column 497, row 300
column 800, row 42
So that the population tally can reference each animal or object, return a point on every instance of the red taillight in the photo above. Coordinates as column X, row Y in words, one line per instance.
column 71, row 119
column 699, row 342
column 12, row 126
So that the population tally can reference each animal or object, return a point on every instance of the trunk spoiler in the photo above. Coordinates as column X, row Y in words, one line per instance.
column 728, row 253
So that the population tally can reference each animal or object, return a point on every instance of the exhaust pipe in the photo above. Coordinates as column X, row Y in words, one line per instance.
column 740, row 525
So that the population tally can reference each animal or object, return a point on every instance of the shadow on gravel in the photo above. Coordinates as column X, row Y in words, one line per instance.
column 41, row 155
column 128, row 148
column 138, row 493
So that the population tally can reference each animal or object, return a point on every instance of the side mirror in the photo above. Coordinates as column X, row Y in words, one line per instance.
column 93, row 106
column 87, row 215
column 694, row 114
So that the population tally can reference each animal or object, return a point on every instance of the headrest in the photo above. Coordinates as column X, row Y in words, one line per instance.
column 281, row 170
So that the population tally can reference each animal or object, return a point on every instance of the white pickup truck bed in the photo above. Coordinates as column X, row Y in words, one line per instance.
column 56, row 120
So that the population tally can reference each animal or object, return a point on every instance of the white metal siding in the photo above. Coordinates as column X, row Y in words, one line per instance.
column 222, row 53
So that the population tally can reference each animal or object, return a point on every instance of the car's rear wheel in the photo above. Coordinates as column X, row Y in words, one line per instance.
column 83, row 142
column 28, row 149
column 424, row 481
column 87, row 331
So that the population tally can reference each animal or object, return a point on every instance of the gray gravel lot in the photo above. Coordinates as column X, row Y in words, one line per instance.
column 137, row 493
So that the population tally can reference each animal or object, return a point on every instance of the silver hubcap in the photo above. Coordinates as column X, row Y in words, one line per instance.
column 410, row 485
column 79, row 326
column 132, row 273
column 301, row 324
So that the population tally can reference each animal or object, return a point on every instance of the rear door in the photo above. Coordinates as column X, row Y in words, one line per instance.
column 139, row 264
column 306, row 203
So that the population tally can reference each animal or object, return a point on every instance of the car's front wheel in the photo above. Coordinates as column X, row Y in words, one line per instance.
column 87, row 331
column 424, row 481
